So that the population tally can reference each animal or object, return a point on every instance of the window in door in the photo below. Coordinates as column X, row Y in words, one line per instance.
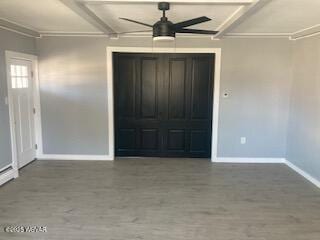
column 19, row 76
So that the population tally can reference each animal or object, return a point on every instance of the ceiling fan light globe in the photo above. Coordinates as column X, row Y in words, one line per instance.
column 163, row 39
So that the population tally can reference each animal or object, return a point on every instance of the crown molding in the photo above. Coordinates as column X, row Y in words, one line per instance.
column 17, row 28
column 72, row 34
column 306, row 32
column 216, row 2
column 258, row 35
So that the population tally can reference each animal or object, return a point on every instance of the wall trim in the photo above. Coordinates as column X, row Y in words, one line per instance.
column 8, row 175
column 248, row 160
column 74, row 157
column 303, row 173
column 5, row 167
column 216, row 94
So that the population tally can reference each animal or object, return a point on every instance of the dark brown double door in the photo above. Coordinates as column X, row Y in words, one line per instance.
column 163, row 104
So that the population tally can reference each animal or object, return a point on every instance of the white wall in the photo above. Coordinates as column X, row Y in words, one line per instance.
column 256, row 73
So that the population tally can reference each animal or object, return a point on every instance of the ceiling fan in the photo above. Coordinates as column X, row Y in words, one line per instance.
column 166, row 30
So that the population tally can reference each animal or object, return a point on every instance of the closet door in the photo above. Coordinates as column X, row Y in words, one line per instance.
column 189, row 99
column 163, row 104
column 138, row 85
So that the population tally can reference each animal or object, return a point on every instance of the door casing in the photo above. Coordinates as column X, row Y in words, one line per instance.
column 110, row 85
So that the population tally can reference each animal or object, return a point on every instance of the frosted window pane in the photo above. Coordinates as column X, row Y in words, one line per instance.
column 13, row 82
column 25, row 82
column 19, row 82
column 13, row 70
column 18, row 70
column 24, row 71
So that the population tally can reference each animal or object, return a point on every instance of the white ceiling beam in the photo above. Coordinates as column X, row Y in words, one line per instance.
column 311, row 31
column 238, row 16
column 231, row 2
column 5, row 24
column 81, row 9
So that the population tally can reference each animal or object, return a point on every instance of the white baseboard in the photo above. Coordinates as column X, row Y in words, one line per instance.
column 303, row 173
column 8, row 175
column 248, row 160
column 75, row 157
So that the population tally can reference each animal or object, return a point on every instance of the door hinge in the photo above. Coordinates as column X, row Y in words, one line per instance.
column 34, row 110
column 36, row 146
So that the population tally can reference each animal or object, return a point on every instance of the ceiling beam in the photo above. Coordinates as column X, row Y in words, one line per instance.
column 311, row 31
column 231, row 2
column 5, row 24
column 83, row 11
column 239, row 16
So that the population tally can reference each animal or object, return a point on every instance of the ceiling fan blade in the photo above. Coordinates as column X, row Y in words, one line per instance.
column 190, row 22
column 141, row 23
column 196, row 31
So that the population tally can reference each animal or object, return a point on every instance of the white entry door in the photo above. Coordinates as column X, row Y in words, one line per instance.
column 22, row 103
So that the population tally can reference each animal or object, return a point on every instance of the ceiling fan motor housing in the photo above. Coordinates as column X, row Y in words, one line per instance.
column 163, row 28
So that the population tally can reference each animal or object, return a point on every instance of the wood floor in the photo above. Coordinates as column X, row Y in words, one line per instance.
column 160, row 199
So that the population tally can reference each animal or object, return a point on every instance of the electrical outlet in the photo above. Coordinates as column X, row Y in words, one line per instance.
column 243, row 140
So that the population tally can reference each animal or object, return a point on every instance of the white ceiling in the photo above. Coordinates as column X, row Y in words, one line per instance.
column 274, row 17
column 44, row 16
column 149, row 13
column 282, row 16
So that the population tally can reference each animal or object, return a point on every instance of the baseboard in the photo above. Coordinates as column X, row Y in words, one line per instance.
column 8, row 175
column 75, row 157
column 303, row 173
column 248, row 160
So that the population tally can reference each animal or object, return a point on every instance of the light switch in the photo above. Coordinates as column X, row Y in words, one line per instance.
column 243, row 140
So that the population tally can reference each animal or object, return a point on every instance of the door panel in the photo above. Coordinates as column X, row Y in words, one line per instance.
column 170, row 99
column 22, row 99
column 149, row 88
column 201, row 93
column 127, row 82
column 127, row 139
column 198, row 141
column 149, row 139
column 177, row 88
column 176, row 140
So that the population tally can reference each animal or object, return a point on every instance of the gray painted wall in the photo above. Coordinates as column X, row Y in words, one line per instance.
column 73, row 93
column 303, row 148
column 13, row 42
column 255, row 72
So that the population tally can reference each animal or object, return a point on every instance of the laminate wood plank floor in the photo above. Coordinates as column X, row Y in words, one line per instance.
column 160, row 199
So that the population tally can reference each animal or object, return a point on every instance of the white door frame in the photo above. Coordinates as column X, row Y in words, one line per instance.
column 216, row 95
column 36, row 99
